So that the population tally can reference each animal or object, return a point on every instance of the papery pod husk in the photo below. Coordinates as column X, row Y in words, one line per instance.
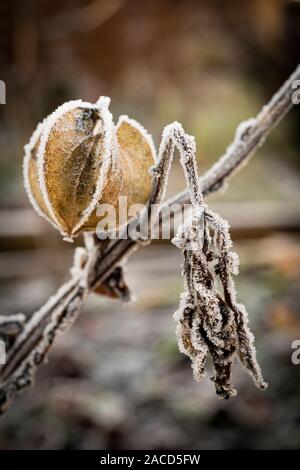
column 77, row 159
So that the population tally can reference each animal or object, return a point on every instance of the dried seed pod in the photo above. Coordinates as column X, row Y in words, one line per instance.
column 77, row 159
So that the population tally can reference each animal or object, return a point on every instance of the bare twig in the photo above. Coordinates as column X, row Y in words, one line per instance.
column 95, row 264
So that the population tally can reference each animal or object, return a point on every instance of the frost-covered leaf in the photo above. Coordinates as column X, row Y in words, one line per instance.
column 209, row 319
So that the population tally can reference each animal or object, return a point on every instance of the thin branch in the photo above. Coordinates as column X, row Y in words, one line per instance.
column 94, row 264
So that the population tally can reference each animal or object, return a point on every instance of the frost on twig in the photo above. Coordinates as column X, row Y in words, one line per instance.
column 28, row 340
column 34, row 337
column 209, row 318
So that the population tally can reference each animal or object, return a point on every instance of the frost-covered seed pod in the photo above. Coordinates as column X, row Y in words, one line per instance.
column 77, row 159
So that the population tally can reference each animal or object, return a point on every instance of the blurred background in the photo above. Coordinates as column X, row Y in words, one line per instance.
column 117, row 380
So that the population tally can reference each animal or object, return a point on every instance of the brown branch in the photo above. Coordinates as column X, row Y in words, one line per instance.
column 94, row 264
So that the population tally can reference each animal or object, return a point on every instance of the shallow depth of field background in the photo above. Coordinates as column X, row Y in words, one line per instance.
column 117, row 380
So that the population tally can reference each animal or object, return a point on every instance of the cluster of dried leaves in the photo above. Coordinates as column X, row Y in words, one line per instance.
column 209, row 319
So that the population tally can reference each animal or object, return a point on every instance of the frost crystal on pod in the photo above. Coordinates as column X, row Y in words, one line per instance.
column 77, row 159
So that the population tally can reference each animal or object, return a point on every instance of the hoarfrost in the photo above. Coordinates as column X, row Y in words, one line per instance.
column 210, row 315
column 147, row 136
column 209, row 318
column 109, row 149
column 104, row 125
column 28, row 149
